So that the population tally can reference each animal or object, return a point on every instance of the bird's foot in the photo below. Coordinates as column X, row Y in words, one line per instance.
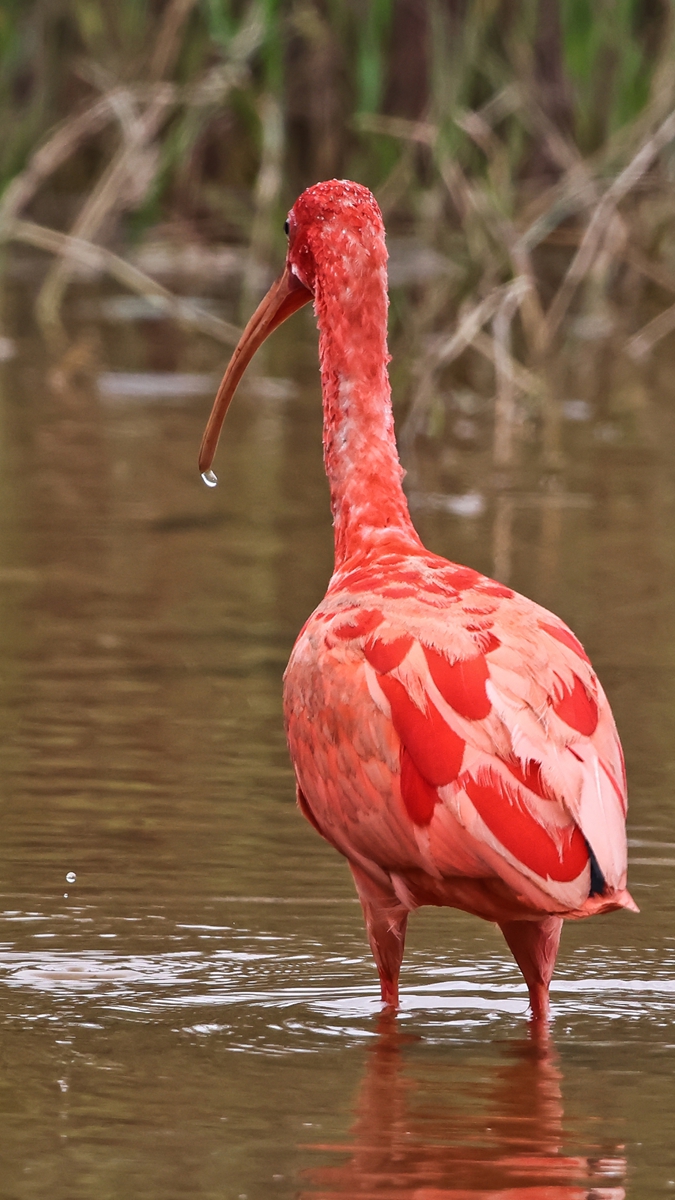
column 540, row 1007
column 389, row 992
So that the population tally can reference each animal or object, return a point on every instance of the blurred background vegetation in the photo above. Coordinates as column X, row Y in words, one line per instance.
column 521, row 150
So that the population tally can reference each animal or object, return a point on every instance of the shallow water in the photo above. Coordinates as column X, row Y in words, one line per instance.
column 196, row 1014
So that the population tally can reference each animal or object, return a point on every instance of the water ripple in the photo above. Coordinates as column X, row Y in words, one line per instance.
column 272, row 997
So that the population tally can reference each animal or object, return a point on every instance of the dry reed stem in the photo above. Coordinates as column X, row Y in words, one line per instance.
column 524, row 380
column 603, row 243
column 551, row 421
column 501, row 105
column 579, row 189
column 399, row 182
column 470, row 324
column 469, row 333
column 502, row 538
column 109, row 194
column 642, row 343
column 468, row 198
column 168, row 45
column 397, row 127
column 98, row 258
column 478, row 127
column 505, row 398
column 131, row 171
column 64, row 141
column 457, row 186
column 600, row 219
column 653, row 271
column 212, row 89
column 266, row 196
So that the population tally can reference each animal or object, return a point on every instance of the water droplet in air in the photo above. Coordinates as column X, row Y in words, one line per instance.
column 65, row 895
column 71, row 877
column 210, row 478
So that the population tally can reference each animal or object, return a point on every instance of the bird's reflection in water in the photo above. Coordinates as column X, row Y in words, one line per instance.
column 486, row 1131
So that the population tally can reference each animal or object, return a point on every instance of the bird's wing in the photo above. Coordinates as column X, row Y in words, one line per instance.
column 509, row 757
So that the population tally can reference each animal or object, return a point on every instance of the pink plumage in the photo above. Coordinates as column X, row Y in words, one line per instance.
column 449, row 736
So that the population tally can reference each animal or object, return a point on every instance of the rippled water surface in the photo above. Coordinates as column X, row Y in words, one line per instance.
column 196, row 1015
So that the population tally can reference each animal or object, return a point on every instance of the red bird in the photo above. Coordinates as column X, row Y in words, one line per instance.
column 449, row 736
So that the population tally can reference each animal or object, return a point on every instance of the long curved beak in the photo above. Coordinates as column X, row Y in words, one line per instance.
column 284, row 298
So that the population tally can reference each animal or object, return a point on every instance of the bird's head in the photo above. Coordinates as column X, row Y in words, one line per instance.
column 335, row 237
column 334, row 228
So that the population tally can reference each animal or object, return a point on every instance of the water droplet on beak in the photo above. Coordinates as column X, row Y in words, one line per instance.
column 71, row 877
column 210, row 478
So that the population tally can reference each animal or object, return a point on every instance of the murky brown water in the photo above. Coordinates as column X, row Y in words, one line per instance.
column 196, row 1015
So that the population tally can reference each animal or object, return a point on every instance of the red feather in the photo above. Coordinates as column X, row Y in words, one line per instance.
column 530, row 776
column 419, row 797
column 360, row 622
column 461, row 684
column 577, row 709
column 496, row 589
column 386, row 656
column 506, row 816
column 434, row 747
column 561, row 634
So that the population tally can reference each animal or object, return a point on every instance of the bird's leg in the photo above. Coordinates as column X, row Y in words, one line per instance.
column 386, row 920
column 534, row 945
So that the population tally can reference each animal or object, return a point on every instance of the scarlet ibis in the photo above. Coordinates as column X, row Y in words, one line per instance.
column 449, row 737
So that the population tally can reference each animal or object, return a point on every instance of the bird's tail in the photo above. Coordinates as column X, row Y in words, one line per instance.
column 602, row 904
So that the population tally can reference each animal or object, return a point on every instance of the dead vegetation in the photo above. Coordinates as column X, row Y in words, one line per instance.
column 543, row 224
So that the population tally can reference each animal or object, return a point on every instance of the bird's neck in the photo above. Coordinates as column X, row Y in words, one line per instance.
column 370, row 511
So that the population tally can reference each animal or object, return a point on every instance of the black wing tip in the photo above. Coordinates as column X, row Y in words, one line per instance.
column 598, row 881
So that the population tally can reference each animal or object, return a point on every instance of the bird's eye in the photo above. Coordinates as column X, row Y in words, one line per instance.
column 286, row 228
